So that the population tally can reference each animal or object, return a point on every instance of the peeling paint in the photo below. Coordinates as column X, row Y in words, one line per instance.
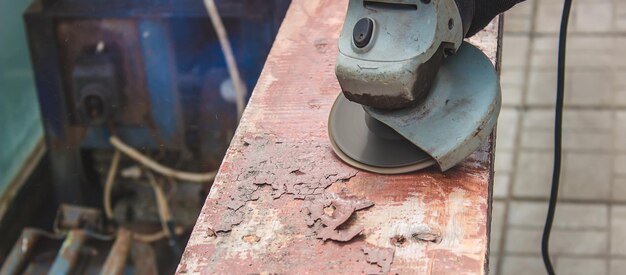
column 310, row 178
column 381, row 257
column 261, row 233
column 300, row 178
column 327, row 214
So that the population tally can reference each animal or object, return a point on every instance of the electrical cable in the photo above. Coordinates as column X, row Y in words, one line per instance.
column 231, row 64
column 169, row 230
column 59, row 235
column 149, row 237
column 556, row 172
column 156, row 236
column 156, row 167
column 161, row 200
column 108, row 185
column 98, row 236
column 49, row 235
column 164, row 212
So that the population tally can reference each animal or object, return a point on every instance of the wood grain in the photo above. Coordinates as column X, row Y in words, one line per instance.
column 281, row 190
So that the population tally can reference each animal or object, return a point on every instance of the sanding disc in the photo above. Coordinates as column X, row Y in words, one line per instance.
column 380, row 152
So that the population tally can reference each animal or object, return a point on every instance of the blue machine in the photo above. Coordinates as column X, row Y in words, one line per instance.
column 150, row 70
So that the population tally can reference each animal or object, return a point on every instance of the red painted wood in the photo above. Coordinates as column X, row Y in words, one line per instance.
column 280, row 176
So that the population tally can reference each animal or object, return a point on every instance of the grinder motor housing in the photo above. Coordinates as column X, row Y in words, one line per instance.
column 391, row 50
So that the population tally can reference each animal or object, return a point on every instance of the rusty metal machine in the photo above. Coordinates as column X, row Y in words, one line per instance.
column 152, row 74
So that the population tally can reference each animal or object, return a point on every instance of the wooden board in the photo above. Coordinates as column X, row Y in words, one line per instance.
column 284, row 203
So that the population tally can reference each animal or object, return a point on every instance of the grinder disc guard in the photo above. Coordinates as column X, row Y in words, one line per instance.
column 454, row 119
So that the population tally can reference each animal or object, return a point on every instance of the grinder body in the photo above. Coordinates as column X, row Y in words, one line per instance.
column 391, row 50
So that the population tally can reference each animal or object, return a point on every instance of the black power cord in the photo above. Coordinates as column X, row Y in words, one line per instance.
column 556, row 172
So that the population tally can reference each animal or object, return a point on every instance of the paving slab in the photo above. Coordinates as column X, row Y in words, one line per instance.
column 501, row 183
column 618, row 193
column 562, row 242
column 533, row 175
column 546, row 21
column 581, row 266
column 593, row 17
column 516, row 51
column 618, row 231
column 541, row 87
column 507, row 128
column 569, row 216
column 617, row 266
column 522, row 265
column 587, row 176
column 620, row 130
column 590, row 88
column 497, row 225
column 512, row 84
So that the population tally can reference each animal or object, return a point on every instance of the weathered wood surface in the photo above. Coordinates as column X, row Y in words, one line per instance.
column 269, row 205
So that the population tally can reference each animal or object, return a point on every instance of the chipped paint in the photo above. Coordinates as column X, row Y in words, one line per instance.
column 260, row 233
column 381, row 257
column 301, row 177
column 330, row 212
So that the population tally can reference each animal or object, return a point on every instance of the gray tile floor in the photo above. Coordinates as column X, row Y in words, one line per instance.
column 589, row 235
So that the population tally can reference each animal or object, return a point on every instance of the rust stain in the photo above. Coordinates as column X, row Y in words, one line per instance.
column 398, row 240
column 251, row 238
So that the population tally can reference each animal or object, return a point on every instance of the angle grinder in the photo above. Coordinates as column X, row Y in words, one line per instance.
column 414, row 94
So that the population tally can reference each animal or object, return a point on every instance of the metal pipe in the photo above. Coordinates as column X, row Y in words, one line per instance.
column 21, row 252
column 116, row 260
column 69, row 253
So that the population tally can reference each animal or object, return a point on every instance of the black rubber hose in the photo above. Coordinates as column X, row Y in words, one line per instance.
column 486, row 10
column 556, row 172
column 466, row 11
